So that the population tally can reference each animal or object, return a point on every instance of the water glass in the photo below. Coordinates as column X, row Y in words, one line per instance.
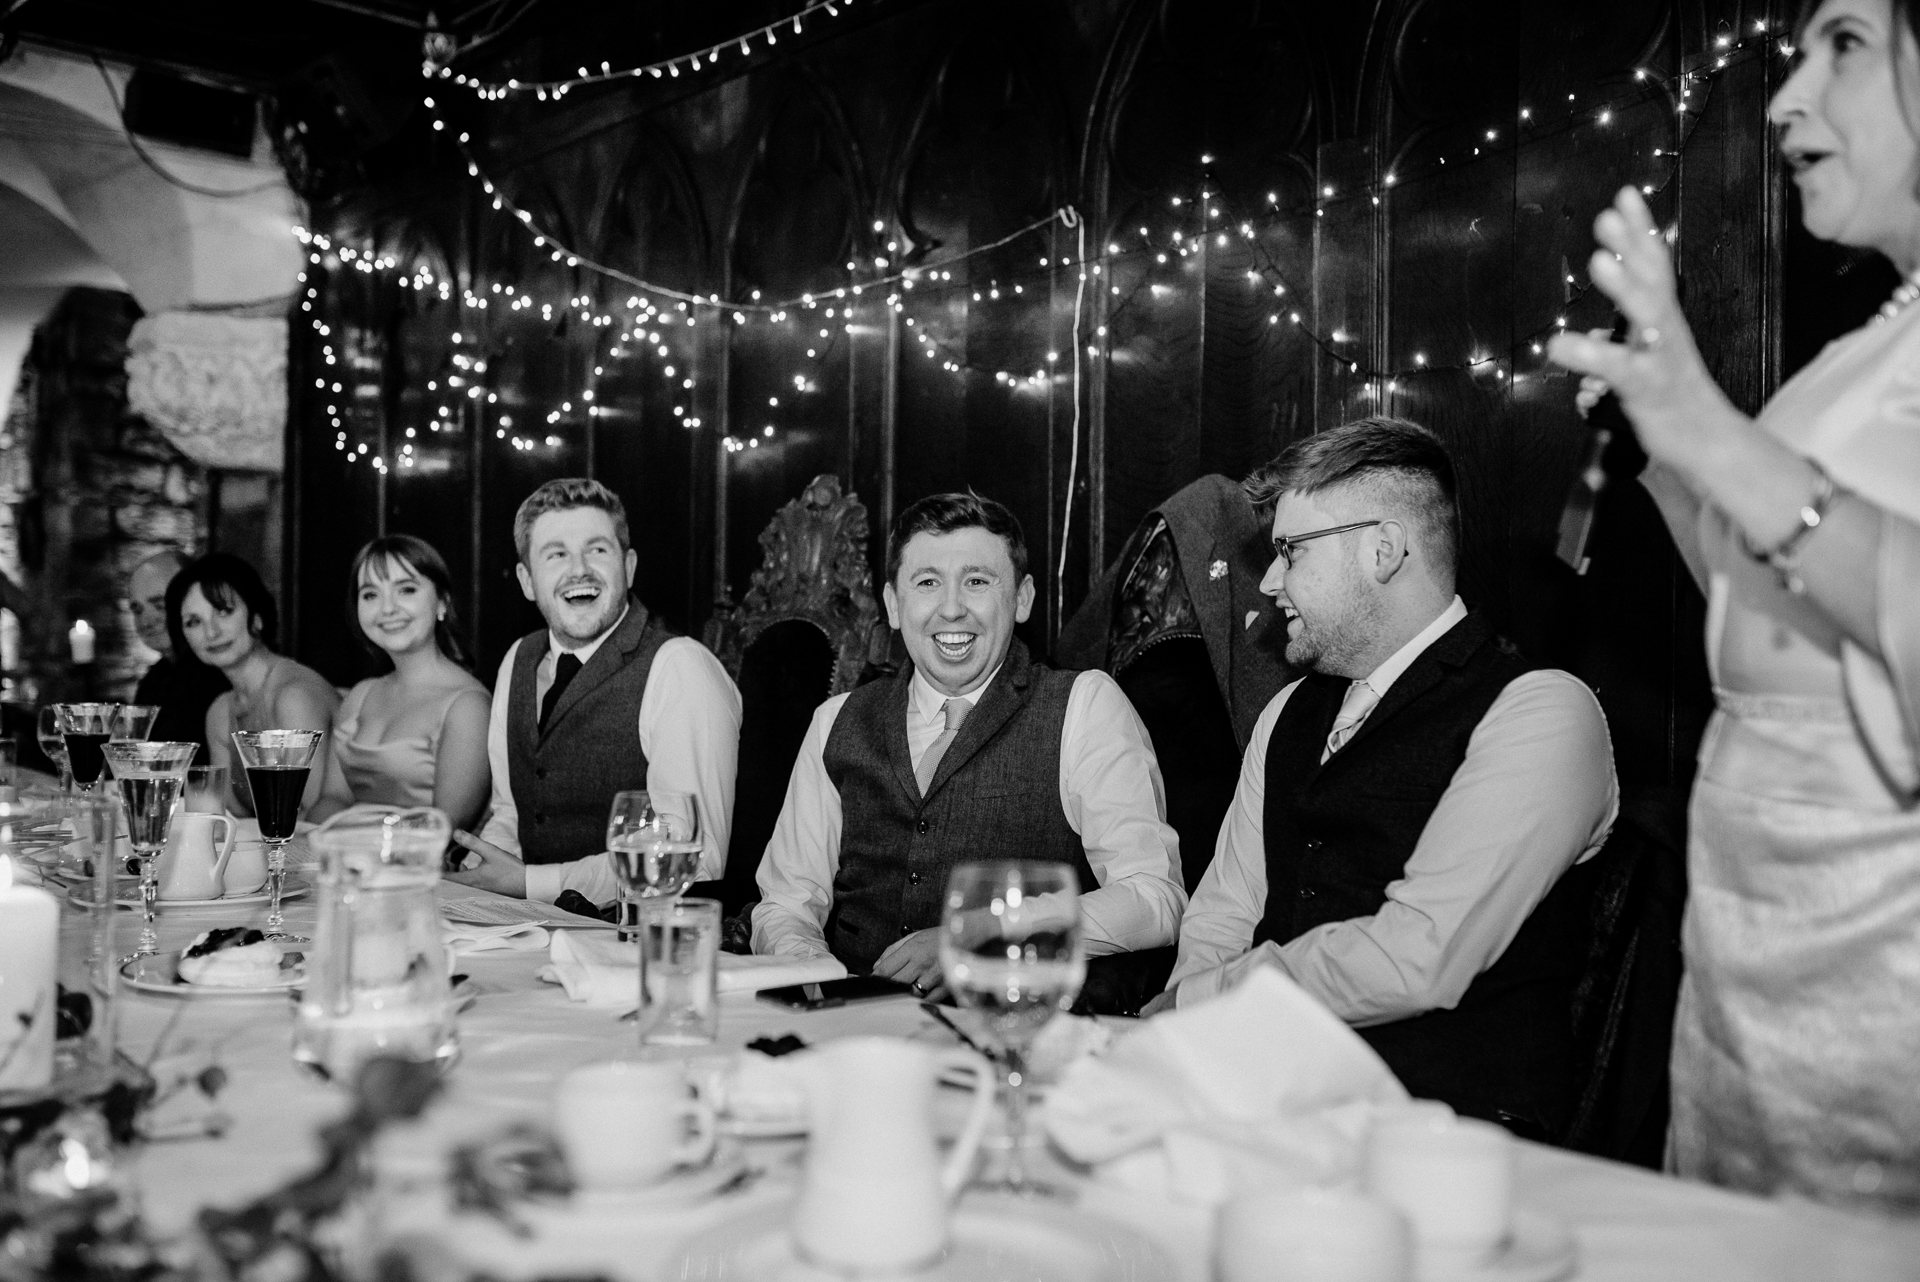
column 53, row 742
column 132, row 721
column 679, row 967
column 1010, row 949
column 653, row 845
column 151, row 776
column 96, row 823
column 207, row 790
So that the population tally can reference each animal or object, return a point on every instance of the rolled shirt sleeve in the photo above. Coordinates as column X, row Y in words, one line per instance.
column 1534, row 795
column 1112, row 796
column 689, row 729
column 803, row 855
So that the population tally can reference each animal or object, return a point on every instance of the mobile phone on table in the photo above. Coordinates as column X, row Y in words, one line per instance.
column 835, row 992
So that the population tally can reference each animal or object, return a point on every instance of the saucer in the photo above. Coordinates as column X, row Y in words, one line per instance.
column 683, row 1187
column 1539, row 1250
column 129, row 897
column 990, row 1238
column 160, row 973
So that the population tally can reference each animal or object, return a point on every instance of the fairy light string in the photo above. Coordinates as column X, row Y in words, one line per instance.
column 654, row 313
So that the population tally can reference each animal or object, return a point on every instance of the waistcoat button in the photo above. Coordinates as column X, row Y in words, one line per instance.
column 913, row 878
column 539, row 772
column 1314, row 844
column 922, row 827
column 905, row 931
column 539, row 818
column 1306, row 892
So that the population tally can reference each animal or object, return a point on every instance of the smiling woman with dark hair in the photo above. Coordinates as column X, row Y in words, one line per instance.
column 219, row 611
column 416, row 736
column 1799, row 1020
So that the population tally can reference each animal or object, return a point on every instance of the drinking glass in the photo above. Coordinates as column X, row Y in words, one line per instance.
column 679, row 968
column 132, row 721
column 53, row 742
column 151, row 777
column 96, row 828
column 207, row 789
column 1010, row 948
column 653, row 844
column 277, row 764
column 86, row 728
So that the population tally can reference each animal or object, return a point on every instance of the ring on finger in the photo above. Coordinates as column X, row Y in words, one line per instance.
column 919, row 989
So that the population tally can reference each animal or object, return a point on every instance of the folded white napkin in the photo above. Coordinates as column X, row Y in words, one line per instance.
column 1260, row 1086
column 596, row 968
column 524, row 937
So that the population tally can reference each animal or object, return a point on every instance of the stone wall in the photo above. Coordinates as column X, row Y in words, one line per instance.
column 90, row 490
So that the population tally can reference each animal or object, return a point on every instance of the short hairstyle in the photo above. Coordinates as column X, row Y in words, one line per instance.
column 945, row 513
column 225, row 580
column 559, row 496
column 424, row 560
column 1411, row 462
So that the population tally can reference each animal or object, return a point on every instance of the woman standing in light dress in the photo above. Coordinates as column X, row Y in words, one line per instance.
column 1797, row 1042
column 416, row 736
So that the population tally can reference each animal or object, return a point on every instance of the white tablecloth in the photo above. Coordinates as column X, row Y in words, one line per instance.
column 521, row 1035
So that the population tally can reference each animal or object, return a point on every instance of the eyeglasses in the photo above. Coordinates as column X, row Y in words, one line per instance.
column 1284, row 545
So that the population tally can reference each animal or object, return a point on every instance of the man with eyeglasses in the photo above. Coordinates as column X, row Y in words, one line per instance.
column 1407, row 810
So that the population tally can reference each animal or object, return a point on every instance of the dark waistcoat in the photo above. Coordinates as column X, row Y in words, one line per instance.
column 564, row 777
column 1338, row 834
column 996, row 795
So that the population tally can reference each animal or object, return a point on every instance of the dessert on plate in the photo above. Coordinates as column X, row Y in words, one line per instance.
column 231, row 957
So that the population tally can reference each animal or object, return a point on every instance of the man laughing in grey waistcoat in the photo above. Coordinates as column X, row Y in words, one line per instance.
column 975, row 752
column 606, row 697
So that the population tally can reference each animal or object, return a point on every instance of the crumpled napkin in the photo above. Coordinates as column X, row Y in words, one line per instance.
column 523, row 937
column 1260, row 1087
column 596, row 968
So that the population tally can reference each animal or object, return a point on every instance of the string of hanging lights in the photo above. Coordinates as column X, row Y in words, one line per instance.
column 653, row 313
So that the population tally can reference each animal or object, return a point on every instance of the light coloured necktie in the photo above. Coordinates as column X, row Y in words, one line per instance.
column 1354, row 708
column 955, row 711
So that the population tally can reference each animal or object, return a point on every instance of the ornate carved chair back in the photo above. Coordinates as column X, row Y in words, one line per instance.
column 802, row 633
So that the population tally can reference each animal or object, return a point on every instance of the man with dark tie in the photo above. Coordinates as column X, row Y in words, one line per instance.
column 1406, row 811
column 606, row 697
column 975, row 751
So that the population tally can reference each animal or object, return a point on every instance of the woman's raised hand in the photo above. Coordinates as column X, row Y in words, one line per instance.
column 1663, row 384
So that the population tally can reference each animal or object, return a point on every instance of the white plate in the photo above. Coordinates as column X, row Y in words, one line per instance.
column 293, row 888
column 160, row 973
column 763, row 1128
column 1540, row 1250
column 992, row 1238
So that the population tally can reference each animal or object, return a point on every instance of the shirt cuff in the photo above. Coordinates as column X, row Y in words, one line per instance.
column 546, row 881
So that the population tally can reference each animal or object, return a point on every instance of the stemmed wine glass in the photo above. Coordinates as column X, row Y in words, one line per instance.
column 1010, row 948
column 86, row 728
column 132, row 721
column 53, row 742
column 150, row 776
column 653, row 842
column 277, row 764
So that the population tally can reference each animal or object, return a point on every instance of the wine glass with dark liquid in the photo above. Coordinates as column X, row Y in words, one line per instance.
column 86, row 727
column 151, row 776
column 277, row 763
column 653, row 843
column 1010, row 949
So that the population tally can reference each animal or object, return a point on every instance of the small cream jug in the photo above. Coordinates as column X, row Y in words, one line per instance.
column 875, row 1196
column 192, row 863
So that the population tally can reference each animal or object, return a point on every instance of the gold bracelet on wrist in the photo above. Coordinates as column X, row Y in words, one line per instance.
column 1784, row 556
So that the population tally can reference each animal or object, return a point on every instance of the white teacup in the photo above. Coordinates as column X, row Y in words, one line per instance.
column 627, row 1125
column 193, row 862
column 1311, row 1235
column 1453, row 1180
column 246, row 868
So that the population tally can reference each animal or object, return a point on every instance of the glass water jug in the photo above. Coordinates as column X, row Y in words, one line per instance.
column 376, row 981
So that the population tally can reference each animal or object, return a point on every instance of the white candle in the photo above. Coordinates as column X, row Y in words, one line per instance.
column 80, row 641
column 29, row 956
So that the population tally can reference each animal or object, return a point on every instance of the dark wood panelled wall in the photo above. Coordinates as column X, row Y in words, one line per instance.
column 1414, row 180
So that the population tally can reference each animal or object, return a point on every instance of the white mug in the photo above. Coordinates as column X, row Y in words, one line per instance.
column 246, row 867
column 1453, row 1180
column 627, row 1125
column 192, row 864
column 1311, row 1235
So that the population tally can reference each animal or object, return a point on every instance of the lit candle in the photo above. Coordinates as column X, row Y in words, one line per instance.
column 80, row 641
column 29, row 955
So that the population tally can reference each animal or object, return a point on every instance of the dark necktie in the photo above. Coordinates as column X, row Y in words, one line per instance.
column 565, row 669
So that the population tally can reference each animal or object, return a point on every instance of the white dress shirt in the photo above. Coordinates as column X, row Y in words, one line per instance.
column 689, row 730
column 1535, row 795
column 1110, row 794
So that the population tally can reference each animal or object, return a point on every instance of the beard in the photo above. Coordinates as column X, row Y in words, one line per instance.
column 1330, row 641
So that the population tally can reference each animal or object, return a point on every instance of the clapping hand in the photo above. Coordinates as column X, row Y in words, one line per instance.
column 1664, row 386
